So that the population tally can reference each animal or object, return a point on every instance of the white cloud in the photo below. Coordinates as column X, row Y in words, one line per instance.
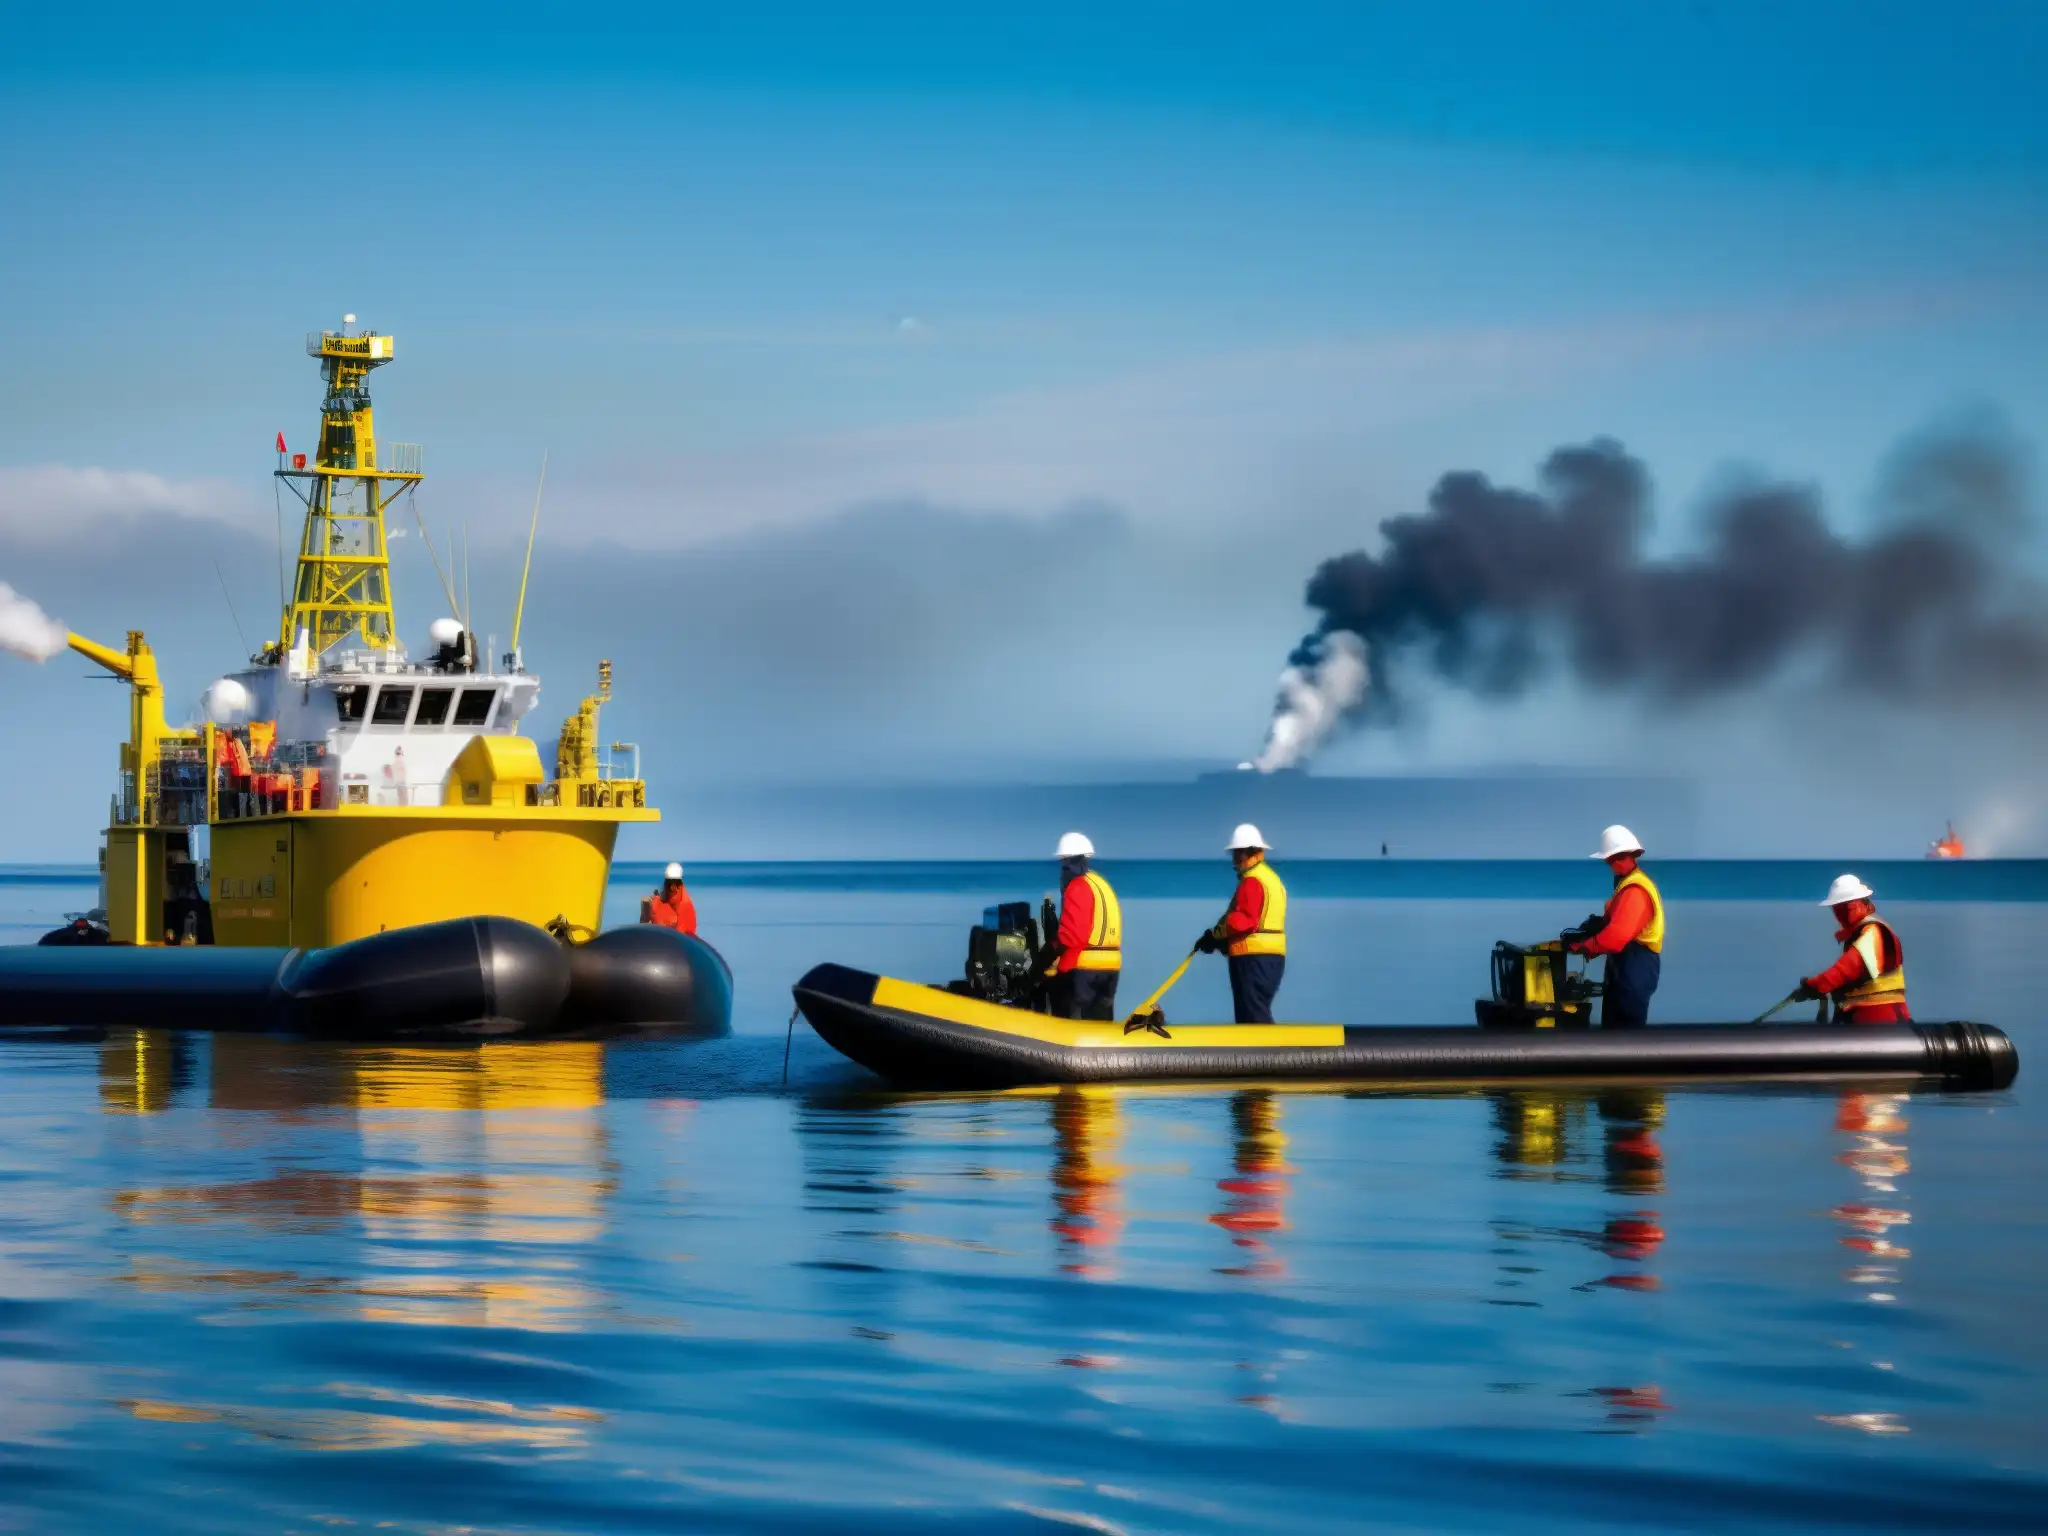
column 41, row 502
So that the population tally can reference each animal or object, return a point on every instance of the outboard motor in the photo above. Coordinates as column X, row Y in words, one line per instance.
column 1533, row 988
column 1004, row 955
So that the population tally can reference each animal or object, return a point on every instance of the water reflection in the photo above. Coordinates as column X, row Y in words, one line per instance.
column 475, row 1188
column 1875, row 1127
column 141, row 1070
column 1875, row 1124
column 1633, row 1162
column 1088, row 1207
column 1255, row 1195
column 1546, row 1135
column 455, row 1187
column 1537, row 1132
column 435, row 1419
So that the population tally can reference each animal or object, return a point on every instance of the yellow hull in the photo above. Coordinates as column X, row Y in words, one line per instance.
column 325, row 877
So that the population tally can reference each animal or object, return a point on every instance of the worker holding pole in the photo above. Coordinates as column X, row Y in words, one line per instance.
column 1253, row 932
column 1868, row 983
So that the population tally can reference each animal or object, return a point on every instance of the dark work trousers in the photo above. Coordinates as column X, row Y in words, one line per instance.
column 1085, row 995
column 1631, row 982
column 1253, row 981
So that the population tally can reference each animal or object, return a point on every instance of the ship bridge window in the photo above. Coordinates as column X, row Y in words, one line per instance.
column 433, row 708
column 352, row 699
column 393, row 704
column 474, row 707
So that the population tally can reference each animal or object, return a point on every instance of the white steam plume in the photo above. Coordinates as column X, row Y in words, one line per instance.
column 26, row 630
column 1315, row 694
column 2002, row 827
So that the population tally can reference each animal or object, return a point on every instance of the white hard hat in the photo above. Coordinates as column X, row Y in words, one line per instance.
column 1075, row 845
column 1847, row 888
column 445, row 631
column 673, row 872
column 1247, row 836
column 1617, row 840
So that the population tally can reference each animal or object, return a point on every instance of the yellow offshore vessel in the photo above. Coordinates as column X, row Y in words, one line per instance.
column 342, row 788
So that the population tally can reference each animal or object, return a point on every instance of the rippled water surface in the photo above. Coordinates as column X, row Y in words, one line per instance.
column 255, row 1285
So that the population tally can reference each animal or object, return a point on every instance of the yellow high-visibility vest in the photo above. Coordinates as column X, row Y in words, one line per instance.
column 1270, row 938
column 1105, row 948
column 1878, row 985
column 1652, row 936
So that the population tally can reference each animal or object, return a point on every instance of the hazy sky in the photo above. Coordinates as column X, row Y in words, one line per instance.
column 959, row 391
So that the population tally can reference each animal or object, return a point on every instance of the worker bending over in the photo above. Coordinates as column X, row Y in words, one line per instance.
column 1868, row 983
column 1630, row 933
column 671, row 907
column 1090, row 940
column 1253, row 933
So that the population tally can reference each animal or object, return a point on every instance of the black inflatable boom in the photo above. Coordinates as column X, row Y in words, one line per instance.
column 921, row 1036
column 471, row 978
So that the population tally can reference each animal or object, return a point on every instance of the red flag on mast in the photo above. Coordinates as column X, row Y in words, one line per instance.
column 280, row 442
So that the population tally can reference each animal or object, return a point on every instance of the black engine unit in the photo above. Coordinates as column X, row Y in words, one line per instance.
column 1005, row 955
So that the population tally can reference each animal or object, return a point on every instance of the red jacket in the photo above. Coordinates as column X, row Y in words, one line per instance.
column 1077, row 921
column 1629, row 916
column 1247, row 908
column 677, row 911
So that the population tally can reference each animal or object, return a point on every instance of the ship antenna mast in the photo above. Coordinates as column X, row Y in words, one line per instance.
column 427, row 539
column 342, row 587
column 519, row 610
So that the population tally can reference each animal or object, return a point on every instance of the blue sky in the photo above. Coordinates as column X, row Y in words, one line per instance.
column 1245, row 280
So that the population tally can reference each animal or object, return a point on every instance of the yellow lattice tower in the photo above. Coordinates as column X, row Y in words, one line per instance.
column 343, row 583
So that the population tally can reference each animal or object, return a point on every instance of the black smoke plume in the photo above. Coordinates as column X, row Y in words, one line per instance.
column 1493, row 588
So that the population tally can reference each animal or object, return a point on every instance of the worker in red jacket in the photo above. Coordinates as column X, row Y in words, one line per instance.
column 1868, row 983
column 1253, row 932
column 671, row 907
column 1090, row 940
column 1630, row 932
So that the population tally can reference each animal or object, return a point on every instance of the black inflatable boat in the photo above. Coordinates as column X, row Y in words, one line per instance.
column 467, row 979
column 925, row 1037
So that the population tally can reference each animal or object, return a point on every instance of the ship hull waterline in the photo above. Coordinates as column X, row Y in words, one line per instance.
column 917, row 1036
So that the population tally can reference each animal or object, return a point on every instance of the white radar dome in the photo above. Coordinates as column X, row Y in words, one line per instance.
column 226, row 702
column 445, row 631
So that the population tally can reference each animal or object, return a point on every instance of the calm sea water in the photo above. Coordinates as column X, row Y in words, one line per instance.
column 250, row 1285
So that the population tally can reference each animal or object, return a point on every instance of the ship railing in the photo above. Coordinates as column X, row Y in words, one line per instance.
column 266, row 793
column 590, row 794
column 399, row 458
column 172, row 792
